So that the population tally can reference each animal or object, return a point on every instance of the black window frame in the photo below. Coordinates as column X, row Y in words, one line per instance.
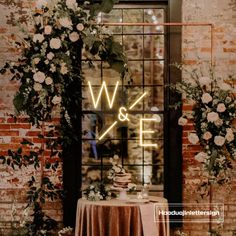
column 173, row 137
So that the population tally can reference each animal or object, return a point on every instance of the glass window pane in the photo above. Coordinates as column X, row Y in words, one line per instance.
column 154, row 46
column 136, row 172
column 155, row 97
column 154, row 155
column 90, row 174
column 132, row 16
column 133, row 46
column 91, row 72
column 154, row 72
column 115, row 16
column 154, row 16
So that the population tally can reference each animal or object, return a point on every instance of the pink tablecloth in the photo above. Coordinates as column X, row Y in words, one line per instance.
column 120, row 218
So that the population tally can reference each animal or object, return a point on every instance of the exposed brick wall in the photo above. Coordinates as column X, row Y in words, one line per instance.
column 196, row 49
column 13, row 183
column 196, row 43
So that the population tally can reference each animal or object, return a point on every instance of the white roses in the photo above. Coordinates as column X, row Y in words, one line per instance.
column 56, row 100
column 38, row 38
column 229, row 135
column 212, row 116
column 219, row 140
column 48, row 29
column 65, row 22
column 201, row 157
column 182, row 121
column 80, row 27
column 55, row 43
column 38, row 87
column 204, row 81
column 50, row 56
column 71, row 4
column 193, row 138
column 48, row 81
column 207, row 135
column 39, row 77
column 206, row 98
column 74, row 37
column 221, row 107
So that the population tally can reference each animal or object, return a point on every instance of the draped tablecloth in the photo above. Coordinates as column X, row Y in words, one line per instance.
column 121, row 218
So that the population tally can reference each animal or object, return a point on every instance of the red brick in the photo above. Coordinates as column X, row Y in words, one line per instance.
column 4, row 126
column 9, row 133
column 20, row 126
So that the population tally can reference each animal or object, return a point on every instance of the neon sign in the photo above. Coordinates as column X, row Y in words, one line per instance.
column 123, row 114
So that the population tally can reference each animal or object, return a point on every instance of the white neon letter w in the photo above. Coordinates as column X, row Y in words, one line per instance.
column 104, row 86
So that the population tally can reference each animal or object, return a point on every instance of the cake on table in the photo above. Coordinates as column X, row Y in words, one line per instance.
column 121, row 180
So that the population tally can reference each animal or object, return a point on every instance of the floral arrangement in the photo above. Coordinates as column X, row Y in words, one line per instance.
column 54, row 38
column 65, row 231
column 116, row 167
column 213, row 113
column 51, row 55
column 97, row 192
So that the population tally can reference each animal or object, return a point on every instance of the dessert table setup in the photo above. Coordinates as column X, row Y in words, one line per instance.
column 130, row 217
column 113, row 210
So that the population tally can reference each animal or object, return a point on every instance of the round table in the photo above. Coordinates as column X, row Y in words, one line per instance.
column 120, row 218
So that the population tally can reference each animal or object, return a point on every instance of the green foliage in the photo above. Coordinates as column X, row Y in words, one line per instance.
column 213, row 113
column 50, row 77
column 41, row 224
column 105, row 6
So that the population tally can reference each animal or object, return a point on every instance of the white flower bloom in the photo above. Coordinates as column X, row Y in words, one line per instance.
column 64, row 69
column 221, row 107
column 56, row 100
column 116, row 169
column 39, row 77
column 207, row 135
column 46, row 62
column 41, row 3
column 65, row 22
column 224, row 86
column 71, row 4
column 206, row 98
column 74, row 37
column 204, row 81
column 201, row 157
column 193, row 138
column 154, row 109
column 229, row 135
column 182, row 121
column 218, row 122
column 219, row 140
column 80, row 27
column 38, row 87
column 212, row 116
column 116, row 157
column 55, row 43
column 48, row 81
column 36, row 60
column 48, row 29
column 52, row 68
column 50, row 56
column 38, row 38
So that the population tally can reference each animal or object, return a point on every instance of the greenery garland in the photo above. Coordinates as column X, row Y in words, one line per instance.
column 213, row 114
column 50, row 78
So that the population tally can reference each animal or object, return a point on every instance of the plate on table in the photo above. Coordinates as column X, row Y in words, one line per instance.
column 136, row 200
